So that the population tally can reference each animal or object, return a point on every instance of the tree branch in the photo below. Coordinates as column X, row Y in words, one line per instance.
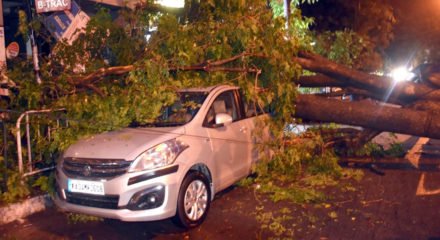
column 96, row 89
column 207, row 66
column 102, row 72
column 404, row 91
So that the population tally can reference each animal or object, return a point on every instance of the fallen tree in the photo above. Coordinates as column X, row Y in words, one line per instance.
column 137, row 77
column 111, row 77
column 415, row 110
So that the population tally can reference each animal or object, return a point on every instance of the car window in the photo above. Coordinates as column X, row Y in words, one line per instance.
column 180, row 112
column 250, row 108
column 183, row 109
column 224, row 103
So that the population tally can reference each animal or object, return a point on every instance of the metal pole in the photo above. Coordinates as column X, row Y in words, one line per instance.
column 28, row 141
column 18, row 138
column 34, row 47
column 5, row 155
column 2, row 41
column 38, row 171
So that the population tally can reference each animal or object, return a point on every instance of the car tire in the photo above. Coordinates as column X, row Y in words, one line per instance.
column 193, row 201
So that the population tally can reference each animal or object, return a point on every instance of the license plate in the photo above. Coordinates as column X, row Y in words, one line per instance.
column 81, row 186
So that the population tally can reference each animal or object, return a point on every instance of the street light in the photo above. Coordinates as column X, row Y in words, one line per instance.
column 172, row 3
column 401, row 74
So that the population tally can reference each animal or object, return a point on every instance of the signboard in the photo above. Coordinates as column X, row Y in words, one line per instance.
column 64, row 24
column 12, row 50
column 52, row 5
column 79, row 22
column 2, row 49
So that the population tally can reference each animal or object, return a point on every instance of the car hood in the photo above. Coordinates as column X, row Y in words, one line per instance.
column 127, row 143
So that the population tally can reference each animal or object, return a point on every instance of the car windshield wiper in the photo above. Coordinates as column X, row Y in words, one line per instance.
column 156, row 124
column 166, row 124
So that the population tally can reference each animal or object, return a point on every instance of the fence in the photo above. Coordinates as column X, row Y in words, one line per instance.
column 38, row 126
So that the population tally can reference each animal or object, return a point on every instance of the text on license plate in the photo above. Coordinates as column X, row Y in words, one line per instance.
column 81, row 186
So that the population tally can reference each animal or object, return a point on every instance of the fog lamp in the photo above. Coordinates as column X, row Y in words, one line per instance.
column 147, row 199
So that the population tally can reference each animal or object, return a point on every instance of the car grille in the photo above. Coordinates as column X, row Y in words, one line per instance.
column 108, row 201
column 95, row 168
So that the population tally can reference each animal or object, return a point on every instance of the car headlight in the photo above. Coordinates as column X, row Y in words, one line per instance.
column 158, row 156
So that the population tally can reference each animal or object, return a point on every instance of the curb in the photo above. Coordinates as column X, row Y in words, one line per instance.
column 20, row 210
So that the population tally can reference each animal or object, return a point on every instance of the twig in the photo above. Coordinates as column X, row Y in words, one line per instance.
column 342, row 202
column 367, row 203
column 255, row 194
column 96, row 89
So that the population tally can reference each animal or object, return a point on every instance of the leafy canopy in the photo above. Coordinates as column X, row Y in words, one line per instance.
column 238, row 42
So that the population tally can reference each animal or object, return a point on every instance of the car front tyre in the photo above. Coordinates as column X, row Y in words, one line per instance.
column 193, row 201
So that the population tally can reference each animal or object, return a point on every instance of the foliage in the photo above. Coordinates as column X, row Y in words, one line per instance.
column 396, row 150
column 295, row 167
column 17, row 188
column 333, row 45
column 74, row 218
column 274, row 224
column 376, row 150
column 113, row 102
column 298, row 172
column 299, row 25
column 245, row 182
column 23, row 29
column 46, row 183
column 352, row 22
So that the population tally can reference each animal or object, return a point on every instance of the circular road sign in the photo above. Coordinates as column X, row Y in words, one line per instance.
column 12, row 50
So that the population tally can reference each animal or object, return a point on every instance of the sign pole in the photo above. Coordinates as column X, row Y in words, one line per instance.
column 34, row 47
column 2, row 41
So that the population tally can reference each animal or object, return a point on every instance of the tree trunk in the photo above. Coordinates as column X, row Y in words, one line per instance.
column 369, row 114
column 381, row 85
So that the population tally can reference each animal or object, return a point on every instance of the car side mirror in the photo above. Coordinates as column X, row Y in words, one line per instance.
column 223, row 119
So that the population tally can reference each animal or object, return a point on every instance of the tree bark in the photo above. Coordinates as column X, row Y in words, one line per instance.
column 319, row 81
column 369, row 114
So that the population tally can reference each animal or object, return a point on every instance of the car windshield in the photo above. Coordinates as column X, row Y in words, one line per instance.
column 181, row 111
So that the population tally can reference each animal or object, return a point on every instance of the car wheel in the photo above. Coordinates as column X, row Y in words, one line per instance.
column 193, row 201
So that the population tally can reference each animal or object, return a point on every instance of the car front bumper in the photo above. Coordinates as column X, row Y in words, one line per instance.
column 122, row 189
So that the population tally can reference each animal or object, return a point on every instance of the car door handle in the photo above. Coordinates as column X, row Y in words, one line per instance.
column 207, row 140
column 243, row 129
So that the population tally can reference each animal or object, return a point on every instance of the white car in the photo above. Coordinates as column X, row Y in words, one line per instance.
column 170, row 168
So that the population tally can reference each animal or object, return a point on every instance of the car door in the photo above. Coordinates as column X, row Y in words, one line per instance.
column 230, row 144
column 251, row 111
